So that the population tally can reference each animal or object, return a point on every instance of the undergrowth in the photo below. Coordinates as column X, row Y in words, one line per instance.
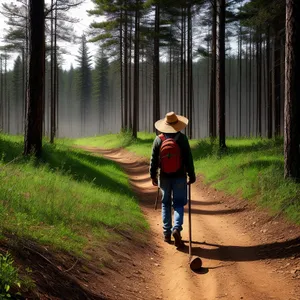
column 65, row 197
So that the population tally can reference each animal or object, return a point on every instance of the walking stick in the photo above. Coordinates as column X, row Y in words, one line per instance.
column 156, row 200
column 195, row 262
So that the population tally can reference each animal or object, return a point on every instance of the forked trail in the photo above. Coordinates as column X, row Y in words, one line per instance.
column 245, row 253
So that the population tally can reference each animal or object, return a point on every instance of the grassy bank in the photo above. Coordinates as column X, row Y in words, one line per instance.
column 68, row 199
column 250, row 168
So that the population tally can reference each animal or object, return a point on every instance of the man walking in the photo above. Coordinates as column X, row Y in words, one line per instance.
column 172, row 157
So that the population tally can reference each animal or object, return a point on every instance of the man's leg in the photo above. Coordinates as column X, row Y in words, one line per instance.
column 179, row 186
column 165, row 186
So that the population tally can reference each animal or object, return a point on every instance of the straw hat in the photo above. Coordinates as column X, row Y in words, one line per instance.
column 172, row 123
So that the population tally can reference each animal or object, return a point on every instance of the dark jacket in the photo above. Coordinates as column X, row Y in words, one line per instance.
column 186, row 155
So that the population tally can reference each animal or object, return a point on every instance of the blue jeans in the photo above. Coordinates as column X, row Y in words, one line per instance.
column 174, row 193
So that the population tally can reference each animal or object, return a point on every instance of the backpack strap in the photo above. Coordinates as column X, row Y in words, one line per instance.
column 162, row 137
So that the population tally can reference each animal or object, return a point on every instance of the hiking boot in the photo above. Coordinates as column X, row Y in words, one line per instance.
column 167, row 238
column 178, row 241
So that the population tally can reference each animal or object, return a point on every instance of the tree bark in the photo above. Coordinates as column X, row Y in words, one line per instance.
column 35, row 88
column 156, row 79
column 212, row 100
column 276, row 84
column 136, row 73
column 190, row 70
column 221, row 75
column 292, row 91
column 269, row 88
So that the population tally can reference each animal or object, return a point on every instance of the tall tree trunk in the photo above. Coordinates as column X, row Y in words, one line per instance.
column 190, row 70
column 1, row 95
column 156, row 78
column 130, row 80
column 221, row 75
column 292, row 91
column 276, row 83
column 259, row 84
column 52, row 112
column 136, row 72
column 250, row 87
column 269, row 88
column 123, row 105
column 34, row 117
column 212, row 100
column 125, row 109
column 240, row 82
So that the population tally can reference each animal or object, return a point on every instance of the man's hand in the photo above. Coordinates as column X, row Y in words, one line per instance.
column 155, row 181
column 192, row 179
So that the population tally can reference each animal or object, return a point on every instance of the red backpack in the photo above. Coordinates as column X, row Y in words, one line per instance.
column 170, row 154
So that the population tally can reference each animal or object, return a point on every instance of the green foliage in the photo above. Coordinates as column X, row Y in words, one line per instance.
column 65, row 197
column 260, row 13
column 252, row 169
column 9, row 278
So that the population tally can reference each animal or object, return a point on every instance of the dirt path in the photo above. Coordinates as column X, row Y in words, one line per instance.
column 246, row 254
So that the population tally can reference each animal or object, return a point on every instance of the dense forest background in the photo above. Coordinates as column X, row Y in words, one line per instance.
column 104, row 97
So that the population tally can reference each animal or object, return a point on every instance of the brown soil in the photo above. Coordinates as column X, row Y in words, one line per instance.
column 246, row 253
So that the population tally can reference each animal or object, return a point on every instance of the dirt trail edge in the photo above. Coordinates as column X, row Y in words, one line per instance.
column 246, row 253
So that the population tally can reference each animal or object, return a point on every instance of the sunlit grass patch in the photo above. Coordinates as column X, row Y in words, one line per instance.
column 252, row 169
column 64, row 196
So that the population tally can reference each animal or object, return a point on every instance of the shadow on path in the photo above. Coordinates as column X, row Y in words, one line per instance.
column 276, row 250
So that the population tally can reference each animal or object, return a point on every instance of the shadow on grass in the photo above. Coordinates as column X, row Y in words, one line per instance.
column 148, row 141
column 290, row 248
column 73, row 164
column 261, row 164
column 70, row 163
column 205, row 148
column 9, row 150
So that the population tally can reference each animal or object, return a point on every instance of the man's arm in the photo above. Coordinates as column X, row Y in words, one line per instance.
column 154, row 162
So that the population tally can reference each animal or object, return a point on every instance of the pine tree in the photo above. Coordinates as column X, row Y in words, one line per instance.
column 101, row 86
column 84, row 83
column 17, row 100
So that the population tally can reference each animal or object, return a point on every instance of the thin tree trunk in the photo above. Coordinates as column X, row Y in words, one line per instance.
column 212, row 101
column 269, row 88
column 123, row 105
column 125, row 108
column 240, row 83
column 156, row 78
column 259, row 85
column 190, row 70
column 52, row 65
column 221, row 75
column 276, row 84
column 136, row 73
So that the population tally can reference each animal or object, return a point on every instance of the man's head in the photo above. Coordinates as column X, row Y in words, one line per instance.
column 172, row 123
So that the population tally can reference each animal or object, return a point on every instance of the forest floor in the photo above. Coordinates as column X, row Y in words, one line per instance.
column 246, row 253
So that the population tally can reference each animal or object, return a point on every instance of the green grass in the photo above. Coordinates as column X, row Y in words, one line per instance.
column 250, row 168
column 65, row 197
